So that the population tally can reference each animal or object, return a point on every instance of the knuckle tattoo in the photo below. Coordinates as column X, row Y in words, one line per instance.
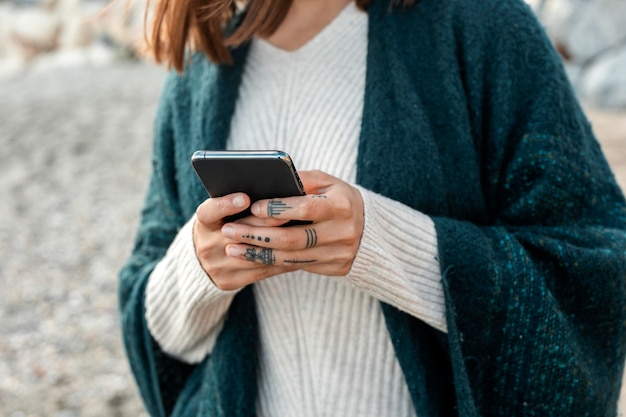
column 299, row 261
column 276, row 208
column 311, row 238
column 256, row 238
column 265, row 256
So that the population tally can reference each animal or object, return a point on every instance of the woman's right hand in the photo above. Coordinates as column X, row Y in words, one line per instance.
column 227, row 273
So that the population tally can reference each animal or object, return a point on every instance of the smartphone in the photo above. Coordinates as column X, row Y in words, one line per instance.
column 260, row 174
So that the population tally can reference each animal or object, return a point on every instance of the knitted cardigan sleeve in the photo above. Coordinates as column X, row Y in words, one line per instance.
column 160, row 222
column 536, row 296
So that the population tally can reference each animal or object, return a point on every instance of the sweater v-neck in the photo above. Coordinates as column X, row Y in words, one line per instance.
column 324, row 38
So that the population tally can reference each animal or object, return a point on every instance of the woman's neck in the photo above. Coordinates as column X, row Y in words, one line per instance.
column 304, row 20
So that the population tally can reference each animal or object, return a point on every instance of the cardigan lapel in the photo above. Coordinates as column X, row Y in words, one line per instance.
column 399, row 158
column 397, row 154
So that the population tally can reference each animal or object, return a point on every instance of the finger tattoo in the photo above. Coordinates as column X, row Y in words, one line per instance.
column 311, row 238
column 296, row 261
column 265, row 256
column 258, row 238
column 276, row 208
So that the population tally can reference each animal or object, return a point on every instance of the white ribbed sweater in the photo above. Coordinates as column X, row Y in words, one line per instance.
column 324, row 348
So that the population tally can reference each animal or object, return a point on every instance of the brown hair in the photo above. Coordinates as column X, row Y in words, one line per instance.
column 200, row 24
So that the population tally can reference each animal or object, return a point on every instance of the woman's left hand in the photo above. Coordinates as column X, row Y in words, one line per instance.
column 327, row 246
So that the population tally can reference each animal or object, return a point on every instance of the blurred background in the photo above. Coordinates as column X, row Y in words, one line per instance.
column 77, row 100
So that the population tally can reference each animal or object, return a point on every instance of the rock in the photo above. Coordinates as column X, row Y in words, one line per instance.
column 603, row 84
column 34, row 30
column 64, row 33
column 591, row 36
column 585, row 28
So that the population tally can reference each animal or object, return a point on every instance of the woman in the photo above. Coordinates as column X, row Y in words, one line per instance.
column 468, row 254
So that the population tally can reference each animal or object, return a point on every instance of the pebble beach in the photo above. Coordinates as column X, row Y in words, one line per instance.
column 74, row 159
column 75, row 152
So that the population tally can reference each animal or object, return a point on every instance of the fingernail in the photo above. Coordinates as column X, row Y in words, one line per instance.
column 239, row 201
column 232, row 251
column 228, row 231
column 256, row 208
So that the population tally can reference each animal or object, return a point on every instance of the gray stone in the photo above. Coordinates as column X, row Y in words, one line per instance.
column 585, row 28
column 591, row 35
column 603, row 84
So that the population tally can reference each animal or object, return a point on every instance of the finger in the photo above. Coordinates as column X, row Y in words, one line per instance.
column 310, row 208
column 259, row 222
column 325, row 261
column 270, row 256
column 213, row 210
column 244, row 273
column 284, row 238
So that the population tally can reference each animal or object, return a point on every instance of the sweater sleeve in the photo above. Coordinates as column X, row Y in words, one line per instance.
column 185, row 311
column 397, row 261
column 535, row 298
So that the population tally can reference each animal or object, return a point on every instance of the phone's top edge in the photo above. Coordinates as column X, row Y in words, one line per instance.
column 240, row 154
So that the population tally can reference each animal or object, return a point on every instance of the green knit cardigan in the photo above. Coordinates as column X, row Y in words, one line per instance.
column 469, row 118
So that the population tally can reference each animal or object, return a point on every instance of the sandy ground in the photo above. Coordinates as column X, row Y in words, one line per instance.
column 74, row 159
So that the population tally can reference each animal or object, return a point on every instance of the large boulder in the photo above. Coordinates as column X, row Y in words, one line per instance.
column 47, row 34
column 591, row 35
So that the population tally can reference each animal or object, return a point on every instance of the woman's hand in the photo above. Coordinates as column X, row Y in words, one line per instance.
column 209, row 242
column 328, row 246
